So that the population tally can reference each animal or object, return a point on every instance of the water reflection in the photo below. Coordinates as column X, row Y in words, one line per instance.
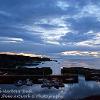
column 70, row 92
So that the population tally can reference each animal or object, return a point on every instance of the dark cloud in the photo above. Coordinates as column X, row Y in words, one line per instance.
column 15, row 14
column 11, row 31
column 30, row 11
column 85, row 24
column 27, row 11
column 81, row 28
column 76, row 37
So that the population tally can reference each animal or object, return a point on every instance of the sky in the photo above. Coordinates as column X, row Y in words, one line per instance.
column 63, row 27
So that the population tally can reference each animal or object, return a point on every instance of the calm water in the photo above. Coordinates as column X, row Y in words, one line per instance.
column 56, row 66
column 69, row 92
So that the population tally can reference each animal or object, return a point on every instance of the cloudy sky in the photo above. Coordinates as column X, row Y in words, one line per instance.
column 50, row 26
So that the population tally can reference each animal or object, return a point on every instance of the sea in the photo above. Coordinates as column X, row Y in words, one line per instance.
column 75, row 91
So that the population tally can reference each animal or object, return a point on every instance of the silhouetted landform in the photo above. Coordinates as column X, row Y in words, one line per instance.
column 10, row 79
column 12, row 61
column 68, row 75
column 26, row 71
column 76, row 70
column 90, row 74
column 96, row 97
column 14, row 74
